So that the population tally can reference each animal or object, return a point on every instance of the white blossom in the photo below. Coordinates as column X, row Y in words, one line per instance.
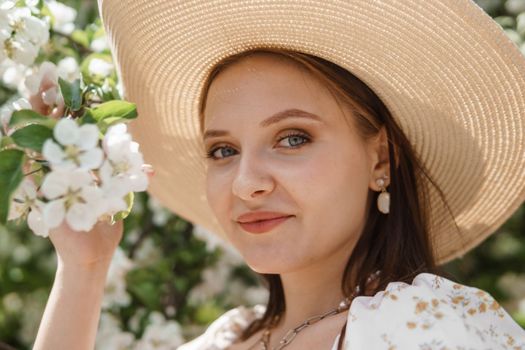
column 160, row 334
column 23, row 51
column 13, row 75
column 100, row 67
column 214, row 280
column 7, row 4
column 214, row 241
column 105, row 86
column 147, row 253
column 239, row 293
column 134, row 321
column 73, row 197
column 5, row 27
column 160, row 213
column 12, row 302
column 122, row 171
column 25, row 204
column 78, row 146
column 22, row 34
column 33, row 30
column 513, row 283
column 110, row 335
column 115, row 289
column 120, row 89
column 515, row 7
column 5, row 32
column 46, row 76
column 7, row 110
column 99, row 44
column 521, row 305
column 21, row 254
column 68, row 69
column 23, row 198
column 64, row 17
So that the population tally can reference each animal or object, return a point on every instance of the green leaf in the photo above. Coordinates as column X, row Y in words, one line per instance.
column 72, row 93
column 87, row 118
column 110, row 113
column 114, row 109
column 80, row 37
column 207, row 312
column 28, row 116
column 32, row 136
column 6, row 141
column 11, row 175
column 121, row 215
column 144, row 285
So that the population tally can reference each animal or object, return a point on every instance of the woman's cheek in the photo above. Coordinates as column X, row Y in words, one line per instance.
column 215, row 193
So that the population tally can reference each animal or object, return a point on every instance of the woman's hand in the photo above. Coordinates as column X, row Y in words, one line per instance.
column 73, row 309
column 86, row 250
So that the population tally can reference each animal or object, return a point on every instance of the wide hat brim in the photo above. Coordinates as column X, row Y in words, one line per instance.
column 447, row 72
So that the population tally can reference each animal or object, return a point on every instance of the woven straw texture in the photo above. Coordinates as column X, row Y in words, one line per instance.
column 447, row 72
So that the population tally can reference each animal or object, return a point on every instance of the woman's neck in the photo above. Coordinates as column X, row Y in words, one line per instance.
column 313, row 290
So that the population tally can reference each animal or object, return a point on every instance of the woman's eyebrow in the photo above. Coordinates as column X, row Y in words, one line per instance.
column 277, row 117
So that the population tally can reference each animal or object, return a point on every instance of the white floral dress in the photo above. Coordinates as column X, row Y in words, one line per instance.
column 431, row 313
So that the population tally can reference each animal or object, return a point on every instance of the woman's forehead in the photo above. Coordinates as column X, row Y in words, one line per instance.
column 265, row 86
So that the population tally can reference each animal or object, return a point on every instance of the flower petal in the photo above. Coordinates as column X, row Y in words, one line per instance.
column 53, row 152
column 50, row 96
column 114, row 135
column 29, row 188
column 53, row 213
column 139, row 182
column 116, row 186
column 134, row 147
column 79, row 178
column 91, row 194
column 66, row 131
column 22, row 103
column 89, row 136
column 114, row 205
column 55, row 184
column 16, row 210
column 91, row 159
column 35, row 221
column 81, row 217
column 106, row 171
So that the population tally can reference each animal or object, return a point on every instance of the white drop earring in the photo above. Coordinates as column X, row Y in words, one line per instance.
column 383, row 200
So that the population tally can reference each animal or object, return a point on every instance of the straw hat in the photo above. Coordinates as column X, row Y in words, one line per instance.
column 447, row 72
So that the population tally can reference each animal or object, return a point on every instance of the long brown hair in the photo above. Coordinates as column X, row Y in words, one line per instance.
column 397, row 244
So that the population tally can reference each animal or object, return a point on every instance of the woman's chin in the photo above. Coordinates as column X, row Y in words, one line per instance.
column 264, row 268
column 269, row 264
column 270, row 256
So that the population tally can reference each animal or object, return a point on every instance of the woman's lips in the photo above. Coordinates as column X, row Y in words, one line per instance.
column 264, row 225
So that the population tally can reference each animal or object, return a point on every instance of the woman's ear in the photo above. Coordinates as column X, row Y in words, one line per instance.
column 379, row 158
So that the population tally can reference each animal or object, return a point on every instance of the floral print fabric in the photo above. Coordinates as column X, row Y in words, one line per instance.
column 431, row 313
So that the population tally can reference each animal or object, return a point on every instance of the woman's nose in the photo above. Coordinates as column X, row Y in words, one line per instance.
column 252, row 179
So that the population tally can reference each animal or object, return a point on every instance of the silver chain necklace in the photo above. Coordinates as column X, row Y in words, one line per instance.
column 290, row 335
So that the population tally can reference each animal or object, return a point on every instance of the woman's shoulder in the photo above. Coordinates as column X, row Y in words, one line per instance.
column 223, row 331
column 433, row 312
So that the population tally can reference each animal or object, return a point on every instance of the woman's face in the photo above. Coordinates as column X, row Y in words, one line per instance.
column 320, row 175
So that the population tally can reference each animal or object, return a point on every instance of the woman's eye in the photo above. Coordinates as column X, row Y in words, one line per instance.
column 295, row 140
column 213, row 151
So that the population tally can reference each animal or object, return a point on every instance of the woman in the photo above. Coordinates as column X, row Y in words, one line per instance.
column 257, row 113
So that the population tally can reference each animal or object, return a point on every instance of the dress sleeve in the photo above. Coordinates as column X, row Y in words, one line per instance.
column 223, row 331
column 431, row 313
